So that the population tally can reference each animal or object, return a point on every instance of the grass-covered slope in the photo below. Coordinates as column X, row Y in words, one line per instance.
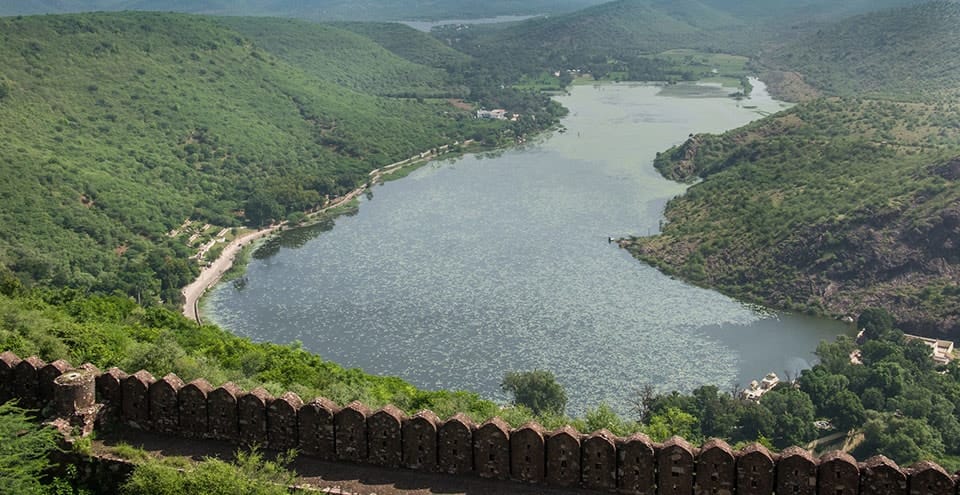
column 831, row 206
column 114, row 128
column 906, row 53
column 348, row 59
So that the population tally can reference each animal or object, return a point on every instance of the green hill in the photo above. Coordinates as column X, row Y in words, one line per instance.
column 830, row 207
column 350, row 60
column 117, row 127
column 325, row 10
column 408, row 43
column 904, row 53
column 616, row 40
column 803, row 11
column 619, row 28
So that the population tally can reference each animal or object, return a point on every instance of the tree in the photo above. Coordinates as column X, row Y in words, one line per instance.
column 889, row 377
column 872, row 398
column 905, row 440
column 604, row 417
column 793, row 415
column 755, row 421
column 670, row 422
column 845, row 410
column 719, row 412
column 821, row 385
column 537, row 389
column 24, row 446
column 835, row 356
column 875, row 322
column 262, row 208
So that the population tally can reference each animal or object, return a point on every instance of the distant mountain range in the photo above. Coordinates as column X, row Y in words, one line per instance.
column 626, row 29
column 316, row 10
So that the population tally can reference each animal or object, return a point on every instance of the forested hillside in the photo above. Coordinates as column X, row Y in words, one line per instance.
column 836, row 204
column 901, row 53
column 352, row 60
column 120, row 126
column 408, row 43
column 800, row 12
column 622, row 35
column 315, row 10
column 832, row 206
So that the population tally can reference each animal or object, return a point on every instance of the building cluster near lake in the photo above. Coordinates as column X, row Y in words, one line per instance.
column 497, row 114
column 942, row 349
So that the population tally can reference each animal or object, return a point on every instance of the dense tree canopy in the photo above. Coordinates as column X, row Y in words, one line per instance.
column 537, row 390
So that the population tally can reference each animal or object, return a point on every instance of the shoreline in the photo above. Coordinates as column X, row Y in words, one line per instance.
column 211, row 275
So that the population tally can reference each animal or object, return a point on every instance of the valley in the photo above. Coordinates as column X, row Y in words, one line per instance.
column 133, row 140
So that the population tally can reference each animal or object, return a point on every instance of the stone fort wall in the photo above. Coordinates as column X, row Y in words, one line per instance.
column 423, row 442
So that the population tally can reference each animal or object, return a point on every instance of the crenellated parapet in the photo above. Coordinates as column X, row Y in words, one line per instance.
column 565, row 458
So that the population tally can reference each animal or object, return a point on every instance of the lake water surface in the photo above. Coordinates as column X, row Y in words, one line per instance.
column 472, row 267
column 427, row 26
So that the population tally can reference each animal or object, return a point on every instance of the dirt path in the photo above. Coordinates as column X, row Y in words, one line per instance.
column 210, row 275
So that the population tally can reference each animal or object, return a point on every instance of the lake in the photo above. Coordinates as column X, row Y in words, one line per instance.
column 427, row 26
column 489, row 263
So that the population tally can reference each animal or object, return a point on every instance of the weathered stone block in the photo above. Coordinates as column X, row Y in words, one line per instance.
column 46, row 375
column 716, row 469
column 282, row 428
column 796, row 472
column 755, row 471
column 73, row 392
column 223, row 422
column 252, row 416
column 135, row 399
column 110, row 388
column 598, row 461
column 317, row 437
column 164, row 407
column 491, row 449
column 8, row 365
column 74, row 401
column 927, row 478
column 26, row 382
column 528, row 453
column 881, row 476
column 420, row 442
column 562, row 449
column 455, row 445
column 675, row 467
column 384, row 437
column 350, row 426
column 838, row 474
column 636, row 465
column 194, row 414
